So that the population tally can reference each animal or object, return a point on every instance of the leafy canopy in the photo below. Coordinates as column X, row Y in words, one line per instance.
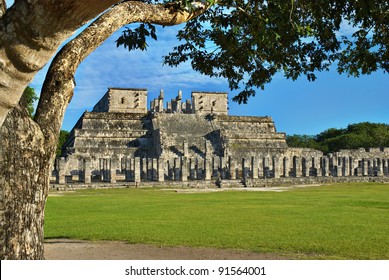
column 249, row 41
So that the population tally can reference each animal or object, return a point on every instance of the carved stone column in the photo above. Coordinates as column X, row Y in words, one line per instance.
column 61, row 171
column 137, row 170
column 232, row 168
column 112, row 170
column 161, row 170
column 286, row 167
column 254, row 167
column 184, row 169
column 87, row 171
column 208, row 171
column 276, row 168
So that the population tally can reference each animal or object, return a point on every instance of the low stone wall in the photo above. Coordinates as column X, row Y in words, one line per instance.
column 224, row 184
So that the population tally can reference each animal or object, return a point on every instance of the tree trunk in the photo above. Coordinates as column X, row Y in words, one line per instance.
column 24, row 179
column 28, row 147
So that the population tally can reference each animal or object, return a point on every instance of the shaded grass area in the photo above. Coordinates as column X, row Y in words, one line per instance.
column 342, row 221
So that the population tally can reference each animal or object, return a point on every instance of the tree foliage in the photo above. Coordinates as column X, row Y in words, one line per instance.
column 136, row 38
column 63, row 136
column 360, row 135
column 28, row 98
column 249, row 41
column 302, row 141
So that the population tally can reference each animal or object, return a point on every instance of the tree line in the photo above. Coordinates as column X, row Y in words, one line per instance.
column 359, row 135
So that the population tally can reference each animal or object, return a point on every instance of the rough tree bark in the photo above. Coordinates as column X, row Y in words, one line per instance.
column 30, row 33
column 30, row 145
column 23, row 172
column 3, row 7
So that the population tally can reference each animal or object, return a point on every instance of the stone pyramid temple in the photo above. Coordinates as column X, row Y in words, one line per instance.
column 195, row 141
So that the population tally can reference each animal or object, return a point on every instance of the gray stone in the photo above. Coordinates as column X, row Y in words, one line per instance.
column 137, row 170
column 161, row 170
column 87, row 171
column 232, row 168
column 184, row 169
column 112, row 169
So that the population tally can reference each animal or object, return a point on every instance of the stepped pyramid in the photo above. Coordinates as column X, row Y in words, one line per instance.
column 120, row 126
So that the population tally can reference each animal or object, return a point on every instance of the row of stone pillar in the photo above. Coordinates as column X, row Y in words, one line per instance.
column 184, row 168
column 351, row 166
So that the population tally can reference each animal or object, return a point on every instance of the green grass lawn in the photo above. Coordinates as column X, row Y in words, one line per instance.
column 348, row 221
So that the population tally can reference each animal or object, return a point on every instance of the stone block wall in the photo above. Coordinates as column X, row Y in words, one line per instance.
column 210, row 103
column 123, row 100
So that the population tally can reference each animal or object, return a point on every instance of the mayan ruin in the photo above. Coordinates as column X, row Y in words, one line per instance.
column 195, row 143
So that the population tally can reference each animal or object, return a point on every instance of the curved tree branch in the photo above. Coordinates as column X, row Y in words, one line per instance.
column 30, row 34
column 58, row 87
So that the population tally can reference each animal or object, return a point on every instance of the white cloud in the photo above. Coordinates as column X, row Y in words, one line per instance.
column 346, row 29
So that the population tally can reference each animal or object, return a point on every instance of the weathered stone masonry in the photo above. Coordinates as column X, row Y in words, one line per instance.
column 196, row 143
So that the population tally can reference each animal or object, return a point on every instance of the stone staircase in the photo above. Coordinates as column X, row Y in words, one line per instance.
column 175, row 129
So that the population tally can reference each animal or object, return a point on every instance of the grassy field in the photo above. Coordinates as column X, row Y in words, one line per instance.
column 327, row 222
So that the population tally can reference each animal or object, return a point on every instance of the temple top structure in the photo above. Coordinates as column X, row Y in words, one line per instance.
column 123, row 100
column 130, row 100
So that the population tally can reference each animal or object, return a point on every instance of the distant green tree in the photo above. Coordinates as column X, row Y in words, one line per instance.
column 28, row 98
column 63, row 136
column 329, row 133
column 302, row 141
column 381, row 135
column 347, row 141
column 360, row 135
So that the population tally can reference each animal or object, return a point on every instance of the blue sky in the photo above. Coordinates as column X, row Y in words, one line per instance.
column 299, row 107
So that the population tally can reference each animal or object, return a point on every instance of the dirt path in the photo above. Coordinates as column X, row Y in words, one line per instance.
column 65, row 249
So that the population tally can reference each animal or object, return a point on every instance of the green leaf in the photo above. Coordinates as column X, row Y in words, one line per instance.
column 133, row 39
